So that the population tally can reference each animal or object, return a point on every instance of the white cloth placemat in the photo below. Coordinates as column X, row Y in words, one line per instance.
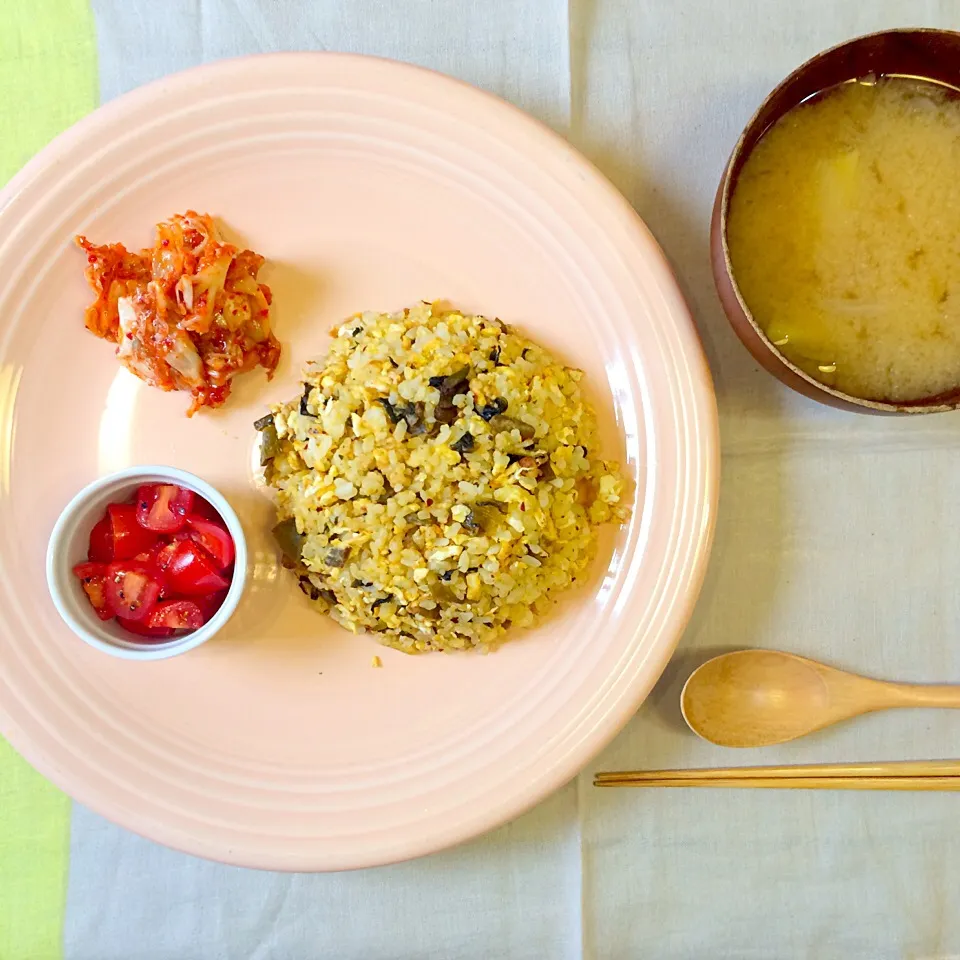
column 835, row 540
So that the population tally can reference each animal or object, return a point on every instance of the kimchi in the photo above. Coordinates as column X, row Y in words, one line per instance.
column 187, row 314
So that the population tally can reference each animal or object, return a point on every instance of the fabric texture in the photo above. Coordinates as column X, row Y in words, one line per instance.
column 48, row 77
column 833, row 541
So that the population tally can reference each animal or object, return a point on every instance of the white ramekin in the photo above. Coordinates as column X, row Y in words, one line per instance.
column 68, row 547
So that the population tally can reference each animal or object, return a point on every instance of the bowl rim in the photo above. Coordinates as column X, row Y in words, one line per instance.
column 935, row 404
column 134, row 650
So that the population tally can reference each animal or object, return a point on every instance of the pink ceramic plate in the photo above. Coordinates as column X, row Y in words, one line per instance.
column 366, row 184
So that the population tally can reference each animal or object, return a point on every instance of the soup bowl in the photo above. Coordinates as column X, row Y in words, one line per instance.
column 923, row 53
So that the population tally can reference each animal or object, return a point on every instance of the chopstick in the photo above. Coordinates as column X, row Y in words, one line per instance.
column 893, row 775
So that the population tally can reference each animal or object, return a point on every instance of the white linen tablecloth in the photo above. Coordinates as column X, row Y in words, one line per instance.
column 836, row 539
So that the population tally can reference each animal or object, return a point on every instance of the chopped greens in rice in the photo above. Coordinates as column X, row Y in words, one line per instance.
column 437, row 481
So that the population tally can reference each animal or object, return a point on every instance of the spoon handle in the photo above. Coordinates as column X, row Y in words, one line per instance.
column 925, row 695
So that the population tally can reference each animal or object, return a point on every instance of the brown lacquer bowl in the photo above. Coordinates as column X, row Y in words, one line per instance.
column 931, row 54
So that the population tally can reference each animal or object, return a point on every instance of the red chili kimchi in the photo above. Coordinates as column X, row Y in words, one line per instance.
column 186, row 314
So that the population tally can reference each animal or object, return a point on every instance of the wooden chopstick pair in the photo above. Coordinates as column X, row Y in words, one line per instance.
column 894, row 775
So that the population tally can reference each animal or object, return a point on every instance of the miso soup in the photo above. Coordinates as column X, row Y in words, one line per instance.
column 844, row 236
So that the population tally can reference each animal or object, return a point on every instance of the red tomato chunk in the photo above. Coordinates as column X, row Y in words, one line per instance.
column 176, row 615
column 204, row 508
column 163, row 506
column 214, row 538
column 191, row 571
column 92, row 577
column 129, row 537
column 143, row 629
column 161, row 565
column 210, row 604
column 132, row 590
column 101, row 542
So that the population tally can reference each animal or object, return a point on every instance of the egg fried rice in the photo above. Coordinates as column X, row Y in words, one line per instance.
column 437, row 482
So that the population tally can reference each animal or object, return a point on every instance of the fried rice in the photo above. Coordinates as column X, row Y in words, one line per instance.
column 437, row 482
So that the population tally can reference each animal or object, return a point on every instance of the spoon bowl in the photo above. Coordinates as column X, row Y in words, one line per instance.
column 756, row 698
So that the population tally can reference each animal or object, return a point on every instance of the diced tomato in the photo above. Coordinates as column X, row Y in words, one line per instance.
column 90, row 569
column 92, row 576
column 163, row 507
column 101, row 541
column 176, row 615
column 132, row 589
column 151, row 558
column 214, row 538
column 145, row 630
column 191, row 571
column 210, row 603
column 161, row 558
column 129, row 538
column 204, row 508
column 160, row 565
column 164, row 555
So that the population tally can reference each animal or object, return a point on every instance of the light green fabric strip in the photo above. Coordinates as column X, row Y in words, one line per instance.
column 34, row 849
column 48, row 74
column 48, row 80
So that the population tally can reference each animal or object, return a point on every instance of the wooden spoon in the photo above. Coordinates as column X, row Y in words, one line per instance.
column 754, row 698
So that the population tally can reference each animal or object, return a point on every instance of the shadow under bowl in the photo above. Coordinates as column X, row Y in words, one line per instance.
column 925, row 53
